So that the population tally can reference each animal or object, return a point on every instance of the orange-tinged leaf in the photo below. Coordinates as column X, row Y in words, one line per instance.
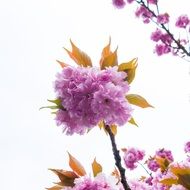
column 62, row 64
column 179, row 170
column 128, row 65
column 106, row 50
column 76, row 165
column 69, row 174
column 116, row 174
column 80, row 57
column 110, row 60
column 113, row 129
column 96, row 168
column 129, row 68
column 138, row 100
column 183, row 175
column 132, row 121
column 169, row 181
column 101, row 124
column 57, row 187
column 67, row 177
column 142, row 178
column 184, row 180
column 163, row 163
column 124, row 149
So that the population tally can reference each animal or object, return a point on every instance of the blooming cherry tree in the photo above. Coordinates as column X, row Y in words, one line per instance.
column 88, row 96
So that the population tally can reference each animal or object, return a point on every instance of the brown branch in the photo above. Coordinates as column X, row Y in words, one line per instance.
column 117, row 158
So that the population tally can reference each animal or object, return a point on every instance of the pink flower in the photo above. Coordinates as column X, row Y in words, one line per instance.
column 182, row 21
column 188, row 159
column 187, row 147
column 132, row 156
column 167, row 154
column 161, row 49
column 163, row 18
column 152, row 164
column 91, row 95
column 118, row 3
column 130, row 1
column 144, row 13
column 166, row 39
column 149, row 180
column 152, row 1
column 156, row 179
column 156, row 36
column 139, row 185
column 100, row 182
column 177, row 187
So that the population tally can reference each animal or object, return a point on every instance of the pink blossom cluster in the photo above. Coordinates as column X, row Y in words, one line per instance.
column 182, row 21
column 132, row 156
column 166, row 154
column 90, row 95
column 166, row 42
column 187, row 147
column 153, row 165
column 145, row 14
column 155, row 169
column 100, row 182
column 139, row 185
column 152, row 181
column 119, row 3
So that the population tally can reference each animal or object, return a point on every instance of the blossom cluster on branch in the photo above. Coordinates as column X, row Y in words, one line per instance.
column 163, row 173
column 91, row 95
column 166, row 41
column 86, row 97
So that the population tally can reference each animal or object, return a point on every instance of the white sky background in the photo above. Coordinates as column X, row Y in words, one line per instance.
column 32, row 35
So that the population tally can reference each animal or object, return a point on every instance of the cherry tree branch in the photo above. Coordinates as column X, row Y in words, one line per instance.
column 177, row 42
column 117, row 158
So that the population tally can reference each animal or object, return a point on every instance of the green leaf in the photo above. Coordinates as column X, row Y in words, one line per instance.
column 56, row 101
column 129, row 68
column 57, row 105
column 138, row 100
column 132, row 121
column 50, row 107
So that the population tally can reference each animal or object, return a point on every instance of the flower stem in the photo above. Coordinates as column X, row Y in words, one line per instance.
column 150, row 174
column 117, row 158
